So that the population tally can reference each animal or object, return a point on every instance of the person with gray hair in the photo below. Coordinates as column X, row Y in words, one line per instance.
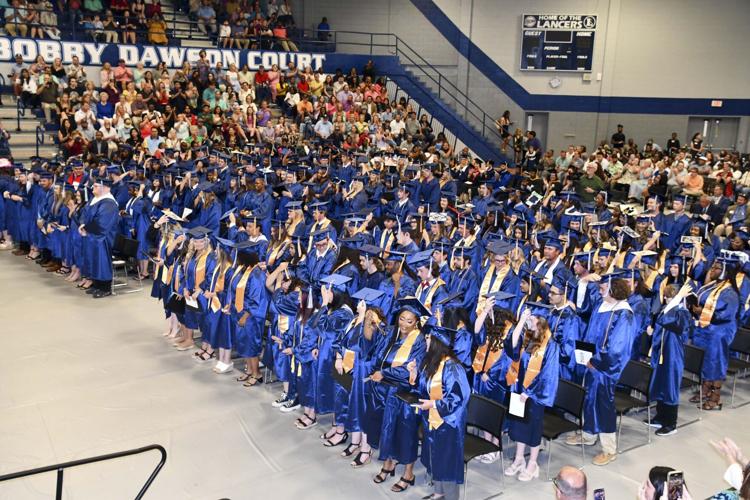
column 570, row 484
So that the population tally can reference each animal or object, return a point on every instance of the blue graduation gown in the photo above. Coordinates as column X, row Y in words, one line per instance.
column 464, row 281
column 716, row 337
column 306, row 339
column 329, row 324
column 248, row 338
column 566, row 328
column 541, row 391
column 315, row 267
column 671, row 332
column 100, row 222
column 642, row 316
column 495, row 387
column 283, row 309
column 610, row 330
column 443, row 448
column 398, row 435
column 209, row 320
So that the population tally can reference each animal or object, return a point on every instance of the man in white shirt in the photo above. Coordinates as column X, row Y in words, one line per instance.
column 397, row 125
column 85, row 113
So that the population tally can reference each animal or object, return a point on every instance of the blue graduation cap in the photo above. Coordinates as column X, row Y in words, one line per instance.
column 369, row 295
column 199, row 232
column 500, row 296
column 226, row 214
column 499, row 247
column 605, row 252
column 134, row 184
column 420, row 259
column 468, row 220
column 104, row 181
column 445, row 335
column 294, row 205
column 442, row 245
column 413, row 305
column 46, row 175
column 206, row 186
column 370, row 250
column 396, row 256
column 729, row 263
column 320, row 206
column 337, row 282
column 584, row 258
column 682, row 198
column 539, row 309
column 226, row 245
column 249, row 247
column 554, row 243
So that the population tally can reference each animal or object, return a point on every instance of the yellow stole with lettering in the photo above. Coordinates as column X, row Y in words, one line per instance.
column 534, row 367
column 710, row 306
column 485, row 288
column 436, row 394
column 402, row 354
column 239, row 293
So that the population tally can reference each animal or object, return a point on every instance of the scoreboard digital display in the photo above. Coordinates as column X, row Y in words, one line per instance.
column 557, row 42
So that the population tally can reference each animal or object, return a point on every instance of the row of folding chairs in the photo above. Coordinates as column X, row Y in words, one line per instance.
column 566, row 414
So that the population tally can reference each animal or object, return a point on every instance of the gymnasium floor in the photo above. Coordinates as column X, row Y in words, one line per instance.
column 82, row 377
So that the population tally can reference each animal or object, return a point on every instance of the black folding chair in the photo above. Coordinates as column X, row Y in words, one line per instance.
column 739, row 366
column 569, row 399
column 636, row 377
column 483, row 414
column 693, row 367
column 123, row 251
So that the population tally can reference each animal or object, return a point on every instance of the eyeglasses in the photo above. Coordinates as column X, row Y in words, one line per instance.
column 554, row 482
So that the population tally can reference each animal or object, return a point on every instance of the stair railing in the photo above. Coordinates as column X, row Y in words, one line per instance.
column 60, row 468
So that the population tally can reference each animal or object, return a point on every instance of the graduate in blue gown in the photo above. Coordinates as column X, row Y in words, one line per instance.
column 673, row 328
column 98, row 231
column 217, row 265
column 444, row 393
column 431, row 289
column 533, row 375
column 251, row 313
column 565, row 325
column 398, row 436
column 285, row 296
column 333, row 321
column 319, row 260
column 611, row 331
column 716, row 316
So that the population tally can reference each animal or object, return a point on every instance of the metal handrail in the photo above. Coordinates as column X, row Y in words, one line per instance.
column 20, row 111
column 39, row 137
column 2, row 86
column 75, row 463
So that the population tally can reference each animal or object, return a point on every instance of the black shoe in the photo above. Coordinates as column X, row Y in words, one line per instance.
column 102, row 293
column 666, row 430
column 91, row 290
column 654, row 423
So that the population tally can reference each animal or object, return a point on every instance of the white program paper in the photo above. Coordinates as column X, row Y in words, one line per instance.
column 191, row 302
column 583, row 357
column 517, row 407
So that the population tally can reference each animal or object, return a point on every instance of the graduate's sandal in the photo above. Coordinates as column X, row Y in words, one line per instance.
column 397, row 488
column 252, row 381
column 359, row 462
column 304, row 425
column 350, row 450
column 383, row 475
column 330, row 443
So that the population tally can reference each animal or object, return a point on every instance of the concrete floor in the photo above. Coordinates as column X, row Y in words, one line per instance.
column 83, row 377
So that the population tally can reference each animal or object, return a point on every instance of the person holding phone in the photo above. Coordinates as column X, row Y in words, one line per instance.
column 664, row 483
column 534, row 374
column 444, row 396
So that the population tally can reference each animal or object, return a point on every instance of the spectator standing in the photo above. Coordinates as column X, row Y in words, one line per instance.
column 618, row 138
column 324, row 30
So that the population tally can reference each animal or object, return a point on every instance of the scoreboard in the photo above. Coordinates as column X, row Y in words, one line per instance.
column 557, row 42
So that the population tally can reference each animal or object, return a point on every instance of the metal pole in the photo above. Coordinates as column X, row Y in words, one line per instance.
column 371, row 42
column 59, row 490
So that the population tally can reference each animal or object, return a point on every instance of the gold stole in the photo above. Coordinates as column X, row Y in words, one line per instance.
column 348, row 361
column 200, row 269
column 431, row 292
column 347, row 261
column 218, row 286
column 402, row 354
column 275, row 253
column 485, row 358
column 239, row 291
column 618, row 261
column 534, row 367
column 317, row 226
column 710, row 306
column 485, row 288
column 520, row 305
column 291, row 227
column 389, row 240
column 436, row 394
column 651, row 279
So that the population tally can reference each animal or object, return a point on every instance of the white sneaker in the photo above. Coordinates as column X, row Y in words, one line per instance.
column 279, row 402
column 222, row 368
column 6, row 246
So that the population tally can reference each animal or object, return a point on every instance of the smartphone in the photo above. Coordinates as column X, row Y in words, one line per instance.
column 599, row 494
column 675, row 485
